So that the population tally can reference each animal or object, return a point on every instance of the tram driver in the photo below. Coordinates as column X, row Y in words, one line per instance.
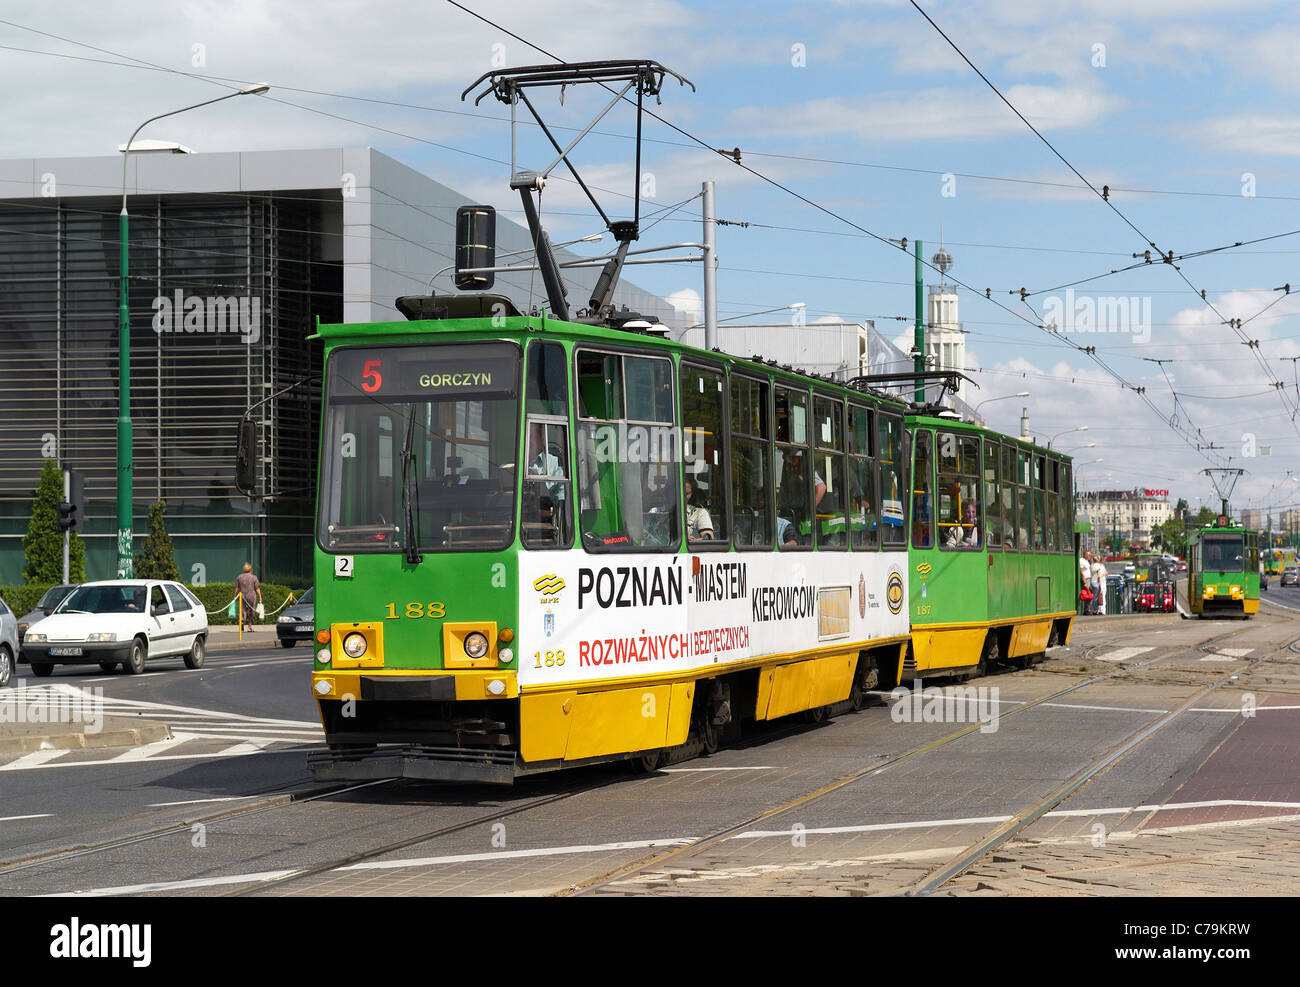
column 699, row 526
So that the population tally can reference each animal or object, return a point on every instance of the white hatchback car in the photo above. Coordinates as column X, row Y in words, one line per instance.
column 120, row 621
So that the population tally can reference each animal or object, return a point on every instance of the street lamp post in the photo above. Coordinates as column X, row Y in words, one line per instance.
column 1078, row 428
column 1005, row 397
column 125, row 560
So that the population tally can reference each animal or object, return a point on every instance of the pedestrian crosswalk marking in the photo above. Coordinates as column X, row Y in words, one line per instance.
column 1123, row 654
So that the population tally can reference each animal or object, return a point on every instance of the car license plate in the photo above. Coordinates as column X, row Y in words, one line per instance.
column 303, row 628
column 65, row 652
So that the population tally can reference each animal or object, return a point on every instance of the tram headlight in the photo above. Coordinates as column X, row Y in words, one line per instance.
column 505, row 656
column 323, row 656
column 354, row 645
column 476, row 645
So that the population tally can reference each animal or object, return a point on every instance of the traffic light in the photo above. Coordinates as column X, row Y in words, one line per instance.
column 67, row 515
column 77, row 495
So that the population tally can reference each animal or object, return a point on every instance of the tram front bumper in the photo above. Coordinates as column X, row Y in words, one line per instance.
column 394, row 684
column 372, row 761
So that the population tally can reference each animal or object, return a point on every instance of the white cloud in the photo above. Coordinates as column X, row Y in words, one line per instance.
column 932, row 114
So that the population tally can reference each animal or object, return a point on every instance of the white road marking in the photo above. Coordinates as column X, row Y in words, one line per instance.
column 200, row 882
column 1236, row 652
column 979, row 820
column 34, row 760
column 462, row 858
column 228, row 798
column 1123, row 654
column 38, row 815
column 759, row 767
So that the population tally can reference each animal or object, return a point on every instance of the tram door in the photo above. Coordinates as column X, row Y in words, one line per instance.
column 1194, row 578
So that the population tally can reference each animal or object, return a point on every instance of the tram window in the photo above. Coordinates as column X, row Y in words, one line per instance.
column 751, row 475
column 828, row 437
column 1007, row 486
column 547, row 390
column 799, row 487
column 992, row 502
column 889, row 449
column 1038, row 520
column 706, row 474
column 1067, row 510
column 922, row 463
column 627, row 478
column 958, row 491
column 547, row 494
column 862, row 477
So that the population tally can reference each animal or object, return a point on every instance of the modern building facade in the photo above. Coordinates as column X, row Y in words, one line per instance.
column 233, row 258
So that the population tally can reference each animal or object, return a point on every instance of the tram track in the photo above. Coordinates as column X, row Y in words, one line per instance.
column 722, row 835
column 936, row 879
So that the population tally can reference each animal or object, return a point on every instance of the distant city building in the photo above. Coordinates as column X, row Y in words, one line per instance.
column 1254, row 519
column 1132, row 514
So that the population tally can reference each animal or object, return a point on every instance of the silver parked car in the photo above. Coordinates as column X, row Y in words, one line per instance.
column 52, row 598
column 297, row 623
column 8, row 644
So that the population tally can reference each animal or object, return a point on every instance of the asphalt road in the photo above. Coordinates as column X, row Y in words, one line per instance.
column 242, row 723
column 550, row 833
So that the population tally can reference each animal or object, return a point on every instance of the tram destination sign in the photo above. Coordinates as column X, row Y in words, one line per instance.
column 430, row 373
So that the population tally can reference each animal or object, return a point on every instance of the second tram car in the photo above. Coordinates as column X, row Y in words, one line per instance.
column 991, row 558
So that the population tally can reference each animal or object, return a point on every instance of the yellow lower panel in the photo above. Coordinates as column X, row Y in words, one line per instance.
column 619, row 721
column 1251, row 606
column 544, row 722
column 803, row 685
column 469, row 685
column 1069, row 629
column 679, row 713
column 1029, row 639
column 954, row 647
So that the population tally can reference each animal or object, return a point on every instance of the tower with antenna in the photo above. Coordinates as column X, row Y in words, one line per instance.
column 945, row 337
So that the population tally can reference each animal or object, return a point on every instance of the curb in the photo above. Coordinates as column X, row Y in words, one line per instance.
column 148, row 732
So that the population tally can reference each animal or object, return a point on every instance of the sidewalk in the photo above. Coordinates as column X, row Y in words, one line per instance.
column 109, row 731
column 225, row 637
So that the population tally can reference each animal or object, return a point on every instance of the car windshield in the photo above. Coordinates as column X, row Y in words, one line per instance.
column 309, row 596
column 54, row 596
column 106, row 599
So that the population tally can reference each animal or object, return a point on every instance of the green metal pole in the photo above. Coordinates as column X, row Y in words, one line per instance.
column 919, row 367
column 125, row 562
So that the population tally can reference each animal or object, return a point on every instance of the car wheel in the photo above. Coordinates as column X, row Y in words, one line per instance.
column 42, row 670
column 197, row 653
column 6, row 666
column 108, row 666
column 286, row 643
column 135, row 664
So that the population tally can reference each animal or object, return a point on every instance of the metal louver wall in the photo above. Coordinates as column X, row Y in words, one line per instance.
column 224, row 290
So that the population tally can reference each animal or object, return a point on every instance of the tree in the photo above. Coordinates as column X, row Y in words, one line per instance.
column 1180, row 510
column 43, row 543
column 157, row 557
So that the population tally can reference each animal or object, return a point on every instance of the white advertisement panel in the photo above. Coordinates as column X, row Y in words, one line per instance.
column 586, row 617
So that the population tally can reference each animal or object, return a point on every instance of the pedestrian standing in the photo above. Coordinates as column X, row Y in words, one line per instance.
column 249, row 591
column 1099, row 592
column 1085, row 578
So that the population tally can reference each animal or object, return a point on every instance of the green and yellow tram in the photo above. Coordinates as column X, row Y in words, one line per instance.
column 1223, row 571
column 546, row 543
column 991, row 558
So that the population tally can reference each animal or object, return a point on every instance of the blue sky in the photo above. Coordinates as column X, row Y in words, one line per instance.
column 865, row 109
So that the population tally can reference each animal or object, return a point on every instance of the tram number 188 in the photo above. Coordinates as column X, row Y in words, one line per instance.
column 417, row 610
column 550, row 659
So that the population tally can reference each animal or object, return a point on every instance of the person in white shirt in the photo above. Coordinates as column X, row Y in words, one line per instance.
column 1099, row 593
column 699, row 526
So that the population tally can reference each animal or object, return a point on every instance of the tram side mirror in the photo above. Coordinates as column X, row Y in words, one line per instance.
column 476, row 246
column 245, row 475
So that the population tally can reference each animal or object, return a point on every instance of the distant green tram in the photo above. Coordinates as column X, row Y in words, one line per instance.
column 991, row 554
column 1223, row 571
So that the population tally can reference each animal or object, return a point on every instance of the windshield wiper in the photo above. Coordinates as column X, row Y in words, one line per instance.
column 410, row 513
